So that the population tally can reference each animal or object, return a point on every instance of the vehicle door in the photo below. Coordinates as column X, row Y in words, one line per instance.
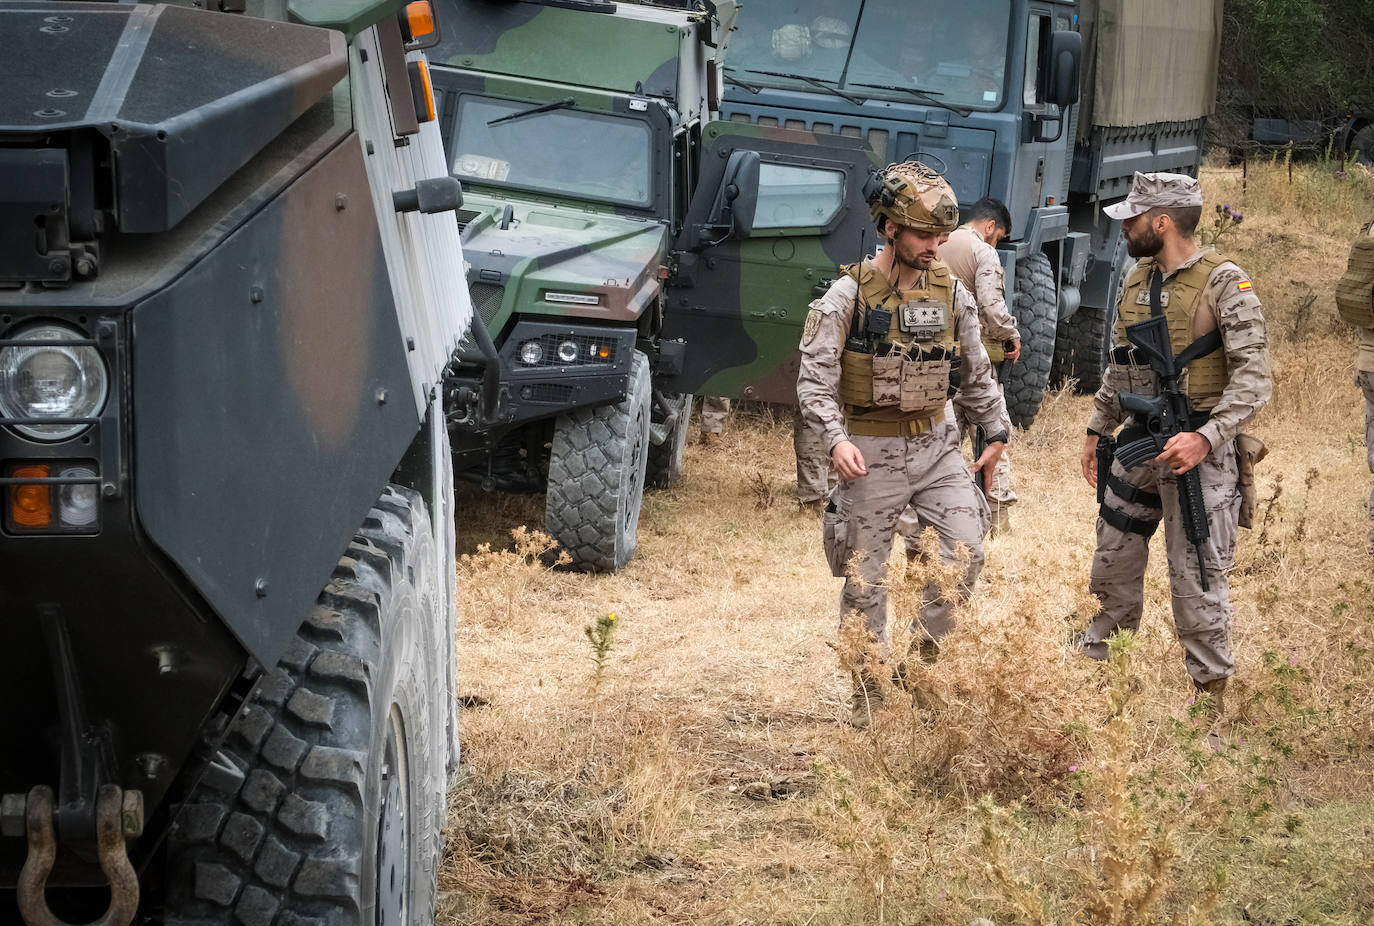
column 774, row 215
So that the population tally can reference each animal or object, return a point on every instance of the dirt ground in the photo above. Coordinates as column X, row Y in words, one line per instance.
column 688, row 760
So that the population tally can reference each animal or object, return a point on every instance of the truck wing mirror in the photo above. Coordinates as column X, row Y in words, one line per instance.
column 1066, row 58
column 738, row 197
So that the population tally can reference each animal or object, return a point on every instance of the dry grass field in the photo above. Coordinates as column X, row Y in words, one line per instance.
column 695, row 766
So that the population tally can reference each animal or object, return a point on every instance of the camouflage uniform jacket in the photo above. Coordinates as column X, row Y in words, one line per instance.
column 1238, row 313
column 827, row 326
column 975, row 263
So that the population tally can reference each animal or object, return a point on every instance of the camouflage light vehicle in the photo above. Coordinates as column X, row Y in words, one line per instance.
column 988, row 93
column 226, row 545
column 612, row 230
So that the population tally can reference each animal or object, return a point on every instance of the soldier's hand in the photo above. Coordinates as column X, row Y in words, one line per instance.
column 849, row 462
column 1183, row 451
column 1089, row 460
column 1015, row 353
column 988, row 461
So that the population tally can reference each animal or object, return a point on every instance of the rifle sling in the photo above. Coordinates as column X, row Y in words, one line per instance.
column 1133, row 493
column 1127, row 524
column 1199, row 348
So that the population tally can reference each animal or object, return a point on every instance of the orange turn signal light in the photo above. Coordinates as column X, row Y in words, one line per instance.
column 426, row 91
column 419, row 19
column 31, row 505
column 604, row 351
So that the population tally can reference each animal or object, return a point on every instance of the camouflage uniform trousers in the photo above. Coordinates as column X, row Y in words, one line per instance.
column 1000, row 492
column 814, row 477
column 1365, row 380
column 714, row 410
column 1202, row 619
column 928, row 473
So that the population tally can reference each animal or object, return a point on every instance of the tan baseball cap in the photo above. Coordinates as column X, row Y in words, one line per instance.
column 1151, row 191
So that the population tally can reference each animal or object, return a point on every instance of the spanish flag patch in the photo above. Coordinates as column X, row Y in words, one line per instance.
column 1243, row 285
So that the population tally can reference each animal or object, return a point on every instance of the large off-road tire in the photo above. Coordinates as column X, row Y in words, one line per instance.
column 665, row 459
column 337, row 816
column 1084, row 338
column 596, row 477
column 1362, row 146
column 1037, row 312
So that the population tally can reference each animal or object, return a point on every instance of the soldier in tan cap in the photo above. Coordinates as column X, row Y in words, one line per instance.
column 1355, row 302
column 972, row 257
column 877, row 351
column 1209, row 302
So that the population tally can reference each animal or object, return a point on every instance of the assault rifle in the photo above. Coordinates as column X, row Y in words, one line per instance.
column 1167, row 414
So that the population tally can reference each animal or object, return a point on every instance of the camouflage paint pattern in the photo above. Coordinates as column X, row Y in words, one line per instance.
column 742, row 313
column 1202, row 619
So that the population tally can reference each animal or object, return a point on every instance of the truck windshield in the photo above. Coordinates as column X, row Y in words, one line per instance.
column 557, row 149
column 957, row 53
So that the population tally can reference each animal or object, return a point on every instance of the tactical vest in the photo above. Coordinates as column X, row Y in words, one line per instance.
column 906, row 377
column 1206, row 376
column 1355, row 291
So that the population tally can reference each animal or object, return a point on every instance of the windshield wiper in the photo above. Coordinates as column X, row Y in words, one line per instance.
column 534, row 110
column 813, row 81
column 925, row 96
column 752, row 88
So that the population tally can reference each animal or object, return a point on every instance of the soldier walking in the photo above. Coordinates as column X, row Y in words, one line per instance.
column 971, row 255
column 1201, row 295
column 877, row 350
column 1355, row 302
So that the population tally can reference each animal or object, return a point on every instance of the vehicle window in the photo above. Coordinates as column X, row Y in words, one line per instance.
column 567, row 151
column 958, row 56
column 1037, row 47
column 797, row 197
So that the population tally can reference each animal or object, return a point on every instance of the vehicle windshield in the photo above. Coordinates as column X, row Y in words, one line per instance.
column 560, row 150
column 955, row 52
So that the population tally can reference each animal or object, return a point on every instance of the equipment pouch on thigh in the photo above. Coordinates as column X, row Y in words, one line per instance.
column 887, row 378
column 835, row 539
column 1249, row 451
column 924, row 385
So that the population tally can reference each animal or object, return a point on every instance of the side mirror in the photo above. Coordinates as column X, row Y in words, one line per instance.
column 738, row 198
column 1066, row 58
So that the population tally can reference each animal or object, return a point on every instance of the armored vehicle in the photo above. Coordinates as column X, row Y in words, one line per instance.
column 226, row 548
column 988, row 93
column 612, row 232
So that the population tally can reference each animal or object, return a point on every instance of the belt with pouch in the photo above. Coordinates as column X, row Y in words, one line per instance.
column 910, row 427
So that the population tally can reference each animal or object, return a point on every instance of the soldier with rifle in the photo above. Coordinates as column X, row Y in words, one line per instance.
column 1190, row 367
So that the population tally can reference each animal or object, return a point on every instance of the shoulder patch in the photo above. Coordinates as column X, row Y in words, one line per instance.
column 1243, row 285
column 813, row 325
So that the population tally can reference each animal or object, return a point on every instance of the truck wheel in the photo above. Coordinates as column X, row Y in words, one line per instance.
column 1037, row 311
column 596, row 477
column 665, row 459
column 333, row 810
column 1084, row 339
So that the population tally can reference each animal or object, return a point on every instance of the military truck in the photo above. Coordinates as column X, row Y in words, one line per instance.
column 604, row 218
column 988, row 93
column 226, row 551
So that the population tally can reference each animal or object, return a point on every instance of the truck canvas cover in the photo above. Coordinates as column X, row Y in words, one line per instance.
column 1148, row 61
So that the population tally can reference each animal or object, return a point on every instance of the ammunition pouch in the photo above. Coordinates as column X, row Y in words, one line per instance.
column 1355, row 290
column 996, row 353
column 856, row 378
column 1249, row 451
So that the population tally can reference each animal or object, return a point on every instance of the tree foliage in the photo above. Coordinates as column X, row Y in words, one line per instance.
column 1302, row 59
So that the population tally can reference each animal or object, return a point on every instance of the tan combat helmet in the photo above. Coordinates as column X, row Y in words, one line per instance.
column 915, row 195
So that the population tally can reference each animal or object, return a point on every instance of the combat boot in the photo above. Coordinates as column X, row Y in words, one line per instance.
column 866, row 700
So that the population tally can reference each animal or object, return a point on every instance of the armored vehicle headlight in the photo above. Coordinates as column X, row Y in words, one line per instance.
column 51, row 380
column 567, row 352
column 531, row 352
column 78, row 505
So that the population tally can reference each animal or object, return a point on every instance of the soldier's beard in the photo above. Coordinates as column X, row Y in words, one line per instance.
column 1147, row 243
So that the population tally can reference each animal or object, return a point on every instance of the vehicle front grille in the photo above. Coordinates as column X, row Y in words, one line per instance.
column 486, row 299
